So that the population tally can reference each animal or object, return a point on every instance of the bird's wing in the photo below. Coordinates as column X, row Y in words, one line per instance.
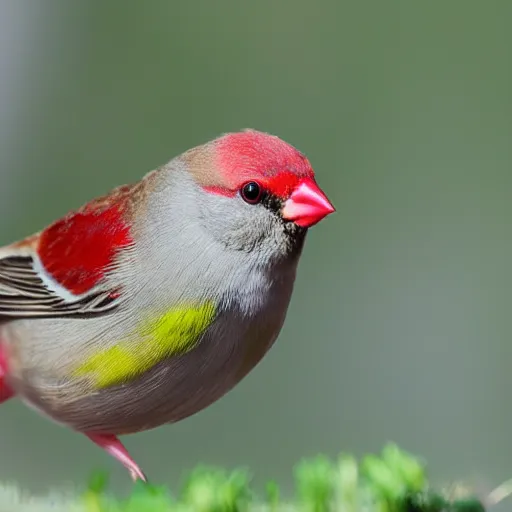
column 24, row 294
column 62, row 270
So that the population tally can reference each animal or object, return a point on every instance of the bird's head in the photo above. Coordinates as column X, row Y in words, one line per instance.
column 259, row 192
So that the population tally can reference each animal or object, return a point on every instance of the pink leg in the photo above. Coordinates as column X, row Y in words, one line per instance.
column 5, row 390
column 114, row 447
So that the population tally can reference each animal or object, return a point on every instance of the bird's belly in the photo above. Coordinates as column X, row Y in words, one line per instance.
column 171, row 390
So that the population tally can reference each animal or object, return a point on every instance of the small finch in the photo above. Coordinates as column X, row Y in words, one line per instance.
column 150, row 303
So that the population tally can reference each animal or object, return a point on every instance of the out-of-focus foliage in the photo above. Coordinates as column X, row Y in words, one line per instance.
column 392, row 482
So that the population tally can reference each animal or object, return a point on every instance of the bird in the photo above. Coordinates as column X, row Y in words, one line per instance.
column 148, row 304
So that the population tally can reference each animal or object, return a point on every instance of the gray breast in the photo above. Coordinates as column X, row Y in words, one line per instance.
column 181, row 386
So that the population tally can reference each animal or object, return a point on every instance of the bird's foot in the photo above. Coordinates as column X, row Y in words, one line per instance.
column 115, row 448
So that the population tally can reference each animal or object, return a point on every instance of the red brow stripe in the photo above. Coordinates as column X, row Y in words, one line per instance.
column 282, row 184
column 77, row 250
column 252, row 155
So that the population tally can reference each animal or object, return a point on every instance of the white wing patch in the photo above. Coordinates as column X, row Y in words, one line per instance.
column 50, row 283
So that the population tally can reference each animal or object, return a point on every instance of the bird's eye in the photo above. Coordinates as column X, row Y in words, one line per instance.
column 252, row 192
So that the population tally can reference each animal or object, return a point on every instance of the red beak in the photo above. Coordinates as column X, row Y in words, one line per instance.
column 307, row 205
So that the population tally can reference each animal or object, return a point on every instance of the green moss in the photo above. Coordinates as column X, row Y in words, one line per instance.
column 392, row 482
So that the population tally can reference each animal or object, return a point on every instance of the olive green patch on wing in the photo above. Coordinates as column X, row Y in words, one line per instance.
column 171, row 334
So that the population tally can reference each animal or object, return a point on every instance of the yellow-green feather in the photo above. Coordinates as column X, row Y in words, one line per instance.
column 173, row 333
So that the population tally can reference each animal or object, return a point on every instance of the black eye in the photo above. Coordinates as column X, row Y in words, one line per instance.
column 252, row 192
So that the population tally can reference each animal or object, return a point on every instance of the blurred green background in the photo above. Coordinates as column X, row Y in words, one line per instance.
column 401, row 324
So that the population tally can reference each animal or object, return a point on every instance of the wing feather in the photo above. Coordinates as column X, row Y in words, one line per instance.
column 23, row 294
column 61, row 271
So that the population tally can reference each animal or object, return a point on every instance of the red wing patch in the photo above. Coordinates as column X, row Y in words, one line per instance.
column 78, row 249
